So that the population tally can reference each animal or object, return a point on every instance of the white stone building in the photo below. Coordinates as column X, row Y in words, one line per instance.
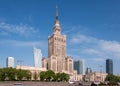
column 95, row 76
column 33, row 70
column 10, row 62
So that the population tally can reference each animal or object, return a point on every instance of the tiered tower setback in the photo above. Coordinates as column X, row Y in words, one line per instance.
column 57, row 60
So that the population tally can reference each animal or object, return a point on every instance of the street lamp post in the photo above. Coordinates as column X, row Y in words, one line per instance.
column 20, row 62
column 100, row 72
column 19, row 84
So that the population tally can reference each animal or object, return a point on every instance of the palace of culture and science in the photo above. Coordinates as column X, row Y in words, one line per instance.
column 57, row 60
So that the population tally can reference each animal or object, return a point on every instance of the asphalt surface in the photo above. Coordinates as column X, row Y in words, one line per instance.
column 31, row 83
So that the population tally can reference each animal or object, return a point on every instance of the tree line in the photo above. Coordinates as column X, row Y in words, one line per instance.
column 13, row 74
column 111, row 77
column 111, row 80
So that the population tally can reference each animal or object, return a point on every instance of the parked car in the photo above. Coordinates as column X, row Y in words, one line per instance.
column 71, row 82
column 18, row 84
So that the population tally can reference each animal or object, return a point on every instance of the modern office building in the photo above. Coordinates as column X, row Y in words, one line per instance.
column 88, row 70
column 109, row 66
column 37, row 57
column 10, row 62
column 79, row 66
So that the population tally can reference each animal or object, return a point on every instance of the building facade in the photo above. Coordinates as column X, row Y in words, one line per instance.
column 109, row 66
column 95, row 77
column 79, row 66
column 57, row 60
column 10, row 62
column 37, row 57
column 33, row 70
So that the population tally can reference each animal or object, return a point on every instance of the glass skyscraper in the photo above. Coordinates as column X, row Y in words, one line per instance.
column 79, row 66
column 88, row 70
column 37, row 57
column 109, row 66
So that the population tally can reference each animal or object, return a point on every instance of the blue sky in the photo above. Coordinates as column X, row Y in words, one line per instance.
column 92, row 28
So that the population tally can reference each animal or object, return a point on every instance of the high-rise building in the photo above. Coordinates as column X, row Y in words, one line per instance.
column 57, row 47
column 88, row 70
column 10, row 62
column 57, row 60
column 37, row 57
column 109, row 66
column 79, row 66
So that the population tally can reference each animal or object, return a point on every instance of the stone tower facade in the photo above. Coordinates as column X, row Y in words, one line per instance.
column 57, row 48
column 57, row 60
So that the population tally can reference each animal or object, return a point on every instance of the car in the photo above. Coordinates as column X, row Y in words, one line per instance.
column 118, row 83
column 71, row 82
column 96, row 82
column 18, row 84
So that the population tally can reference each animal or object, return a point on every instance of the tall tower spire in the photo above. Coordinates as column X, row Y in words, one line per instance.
column 56, row 13
column 56, row 25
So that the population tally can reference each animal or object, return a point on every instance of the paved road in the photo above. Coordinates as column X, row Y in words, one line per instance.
column 30, row 83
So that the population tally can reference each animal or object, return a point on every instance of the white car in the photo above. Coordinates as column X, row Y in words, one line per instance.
column 18, row 84
column 118, row 83
column 71, row 82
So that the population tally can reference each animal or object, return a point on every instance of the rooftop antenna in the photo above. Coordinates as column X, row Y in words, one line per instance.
column 56, row 12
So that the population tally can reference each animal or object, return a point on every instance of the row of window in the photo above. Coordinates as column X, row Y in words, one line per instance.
column 58, row 39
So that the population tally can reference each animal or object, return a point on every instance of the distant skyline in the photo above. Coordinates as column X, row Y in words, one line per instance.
column 92, row 28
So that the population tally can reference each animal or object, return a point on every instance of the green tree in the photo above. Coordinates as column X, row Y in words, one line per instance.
column 2, row 74
column 112, row 77
column 27, row 75
column 23, row 74
column 50, row 75
column 58, row 77
column 11, row 72
column 42, row 75
column 18, row 74
column 64, row 77
column 7, row 74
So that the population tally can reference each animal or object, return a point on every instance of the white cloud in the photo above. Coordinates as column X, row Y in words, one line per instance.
column 91, row 51
column 79, row 38
column 112, row 46
column 74, row 29
column 23, row 30
column 99, row 59
column 96, row 47
column 23, row 43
